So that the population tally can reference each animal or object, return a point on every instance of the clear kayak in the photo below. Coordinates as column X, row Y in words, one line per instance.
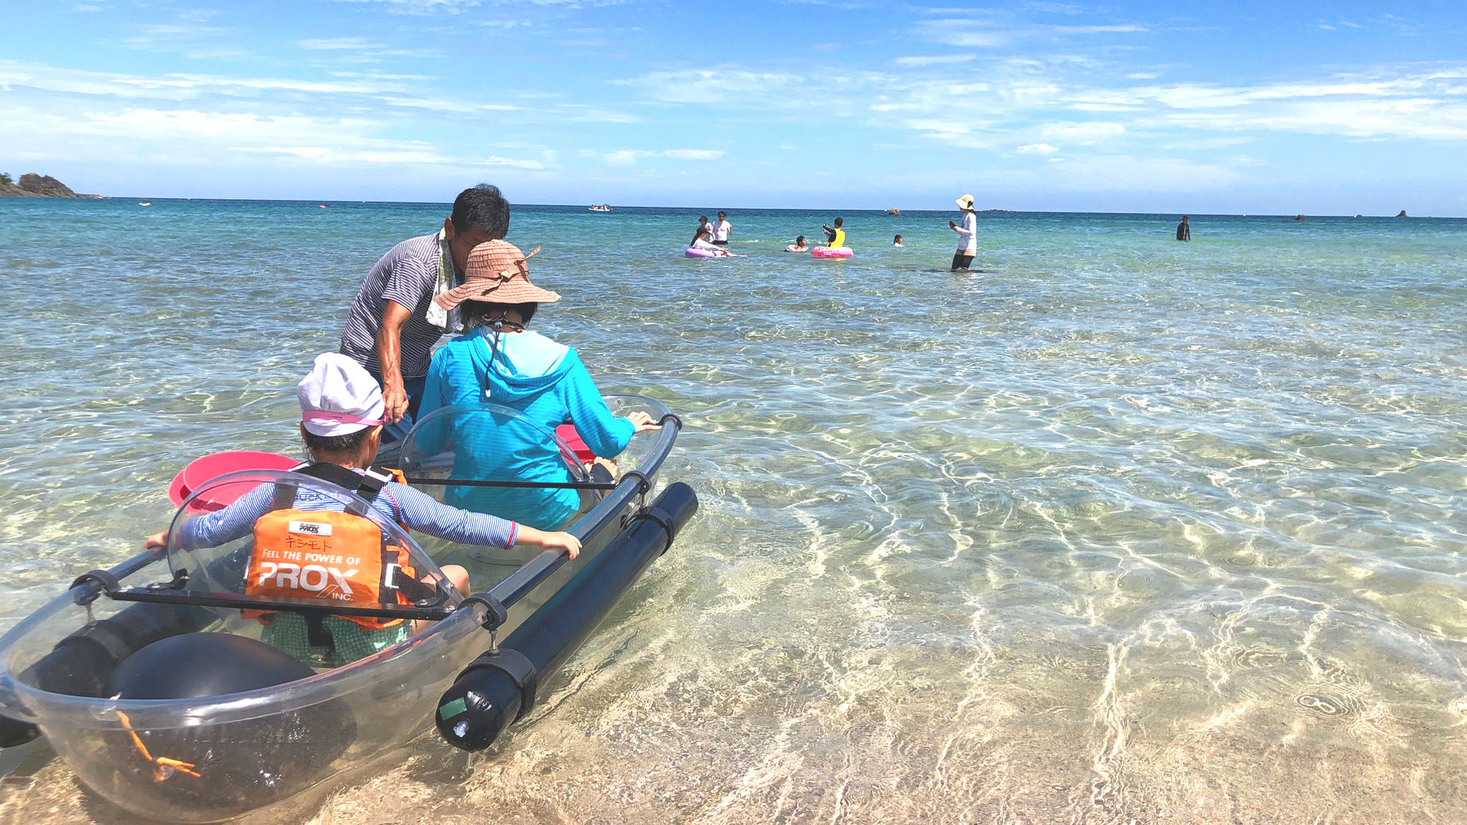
column 243, row 725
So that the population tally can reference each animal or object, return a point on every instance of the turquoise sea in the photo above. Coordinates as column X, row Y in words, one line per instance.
column 1117, row 530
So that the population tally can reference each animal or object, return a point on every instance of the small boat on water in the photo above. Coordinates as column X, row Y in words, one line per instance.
column 151, row 680
column 605, row 207
column 145, row 203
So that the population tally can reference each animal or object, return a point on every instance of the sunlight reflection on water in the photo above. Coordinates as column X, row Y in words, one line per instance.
column 1124, row 530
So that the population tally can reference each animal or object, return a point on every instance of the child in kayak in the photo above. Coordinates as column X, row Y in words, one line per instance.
column 341, row 424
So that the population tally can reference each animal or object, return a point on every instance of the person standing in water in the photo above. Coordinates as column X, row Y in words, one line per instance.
column 1184, row 230
column 897, row 241
column 721, row 230
column 393, row 325
column 835, row 237
column 967, row 234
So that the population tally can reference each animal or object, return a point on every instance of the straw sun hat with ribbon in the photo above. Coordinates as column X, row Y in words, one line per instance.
column 965, row 202
column 497, row 272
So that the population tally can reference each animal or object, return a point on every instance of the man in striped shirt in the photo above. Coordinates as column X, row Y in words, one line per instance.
column 392, row 326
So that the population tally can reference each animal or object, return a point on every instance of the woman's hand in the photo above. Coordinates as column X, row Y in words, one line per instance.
column 157, row 541
column 643, row 422
column 951, row 225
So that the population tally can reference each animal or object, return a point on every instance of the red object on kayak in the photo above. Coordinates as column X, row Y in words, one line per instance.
column 205, row 469
column 572, row 439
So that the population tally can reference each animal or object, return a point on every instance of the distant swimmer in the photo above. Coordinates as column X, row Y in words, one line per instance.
column 1184, row 230
column 798, row 245
column 835, row 236
column 967, row 234
column 721, row 230
column 897, row 241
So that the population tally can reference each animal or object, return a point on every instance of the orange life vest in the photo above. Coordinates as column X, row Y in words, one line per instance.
column 329, row 555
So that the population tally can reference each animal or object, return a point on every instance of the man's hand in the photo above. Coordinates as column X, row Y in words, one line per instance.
column 394, row 401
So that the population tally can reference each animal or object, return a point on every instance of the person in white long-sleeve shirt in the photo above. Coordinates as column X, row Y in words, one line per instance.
column 967, row 234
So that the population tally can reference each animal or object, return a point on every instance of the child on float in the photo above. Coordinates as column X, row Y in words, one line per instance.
column 341, row 424
column 835, row 237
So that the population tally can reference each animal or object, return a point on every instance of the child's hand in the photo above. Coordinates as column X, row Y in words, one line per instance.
column 550, row 541
column 562, row 541
column 156, row 541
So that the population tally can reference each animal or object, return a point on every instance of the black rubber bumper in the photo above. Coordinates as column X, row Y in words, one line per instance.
column 499, row 687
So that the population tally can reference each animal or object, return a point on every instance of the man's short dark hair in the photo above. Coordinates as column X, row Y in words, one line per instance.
column 481, row 207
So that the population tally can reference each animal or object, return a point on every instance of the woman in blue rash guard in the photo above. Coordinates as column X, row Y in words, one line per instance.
column 500, row 362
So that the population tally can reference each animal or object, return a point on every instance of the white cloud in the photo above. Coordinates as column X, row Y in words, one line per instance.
column 726, row 87
column 694, row 154
column 1084, row 133
column 589, row 114
column 421, row 6
column 336, row 44
column 630, row 157
column 1037, row 97
column 933, row 60
column 1038, row 149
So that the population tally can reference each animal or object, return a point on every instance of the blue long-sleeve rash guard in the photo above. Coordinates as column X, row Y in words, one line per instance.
column 547, row 385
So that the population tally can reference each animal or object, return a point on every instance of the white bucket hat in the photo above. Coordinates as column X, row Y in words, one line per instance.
column 339, row 397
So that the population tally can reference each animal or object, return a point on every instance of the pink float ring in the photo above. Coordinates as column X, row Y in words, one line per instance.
column 831, row 252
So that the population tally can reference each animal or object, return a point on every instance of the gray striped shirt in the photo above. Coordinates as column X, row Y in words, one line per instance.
column 406, row 275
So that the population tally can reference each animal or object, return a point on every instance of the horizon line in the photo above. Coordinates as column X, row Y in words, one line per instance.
column 879, row 211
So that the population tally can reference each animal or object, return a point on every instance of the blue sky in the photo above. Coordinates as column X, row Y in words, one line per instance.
column 1242, row 107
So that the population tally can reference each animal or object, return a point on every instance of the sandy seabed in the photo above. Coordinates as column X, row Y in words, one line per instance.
column 882, row 736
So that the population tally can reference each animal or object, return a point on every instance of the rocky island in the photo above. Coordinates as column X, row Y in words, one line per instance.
column 32, row 185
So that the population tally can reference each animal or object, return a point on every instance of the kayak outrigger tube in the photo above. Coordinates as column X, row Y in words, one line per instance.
column 498, row 688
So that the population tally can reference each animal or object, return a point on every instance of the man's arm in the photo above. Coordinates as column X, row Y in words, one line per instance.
column 389, row 345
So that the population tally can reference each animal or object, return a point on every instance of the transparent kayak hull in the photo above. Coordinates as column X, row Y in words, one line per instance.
column 217, row 757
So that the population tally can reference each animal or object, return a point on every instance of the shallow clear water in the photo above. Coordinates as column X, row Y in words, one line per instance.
column 1119, row 529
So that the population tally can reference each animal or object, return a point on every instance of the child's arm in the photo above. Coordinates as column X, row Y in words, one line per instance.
column 420, row 511
column 550, row 541
column 221, row 526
